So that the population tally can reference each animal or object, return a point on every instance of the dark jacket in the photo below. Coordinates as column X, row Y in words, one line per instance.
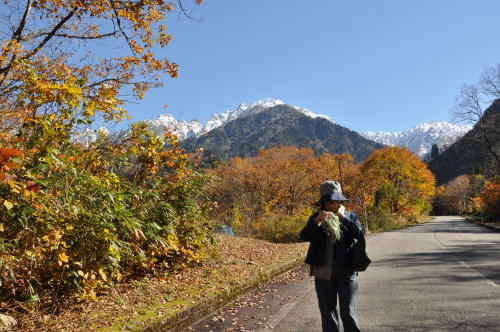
column 318, row 238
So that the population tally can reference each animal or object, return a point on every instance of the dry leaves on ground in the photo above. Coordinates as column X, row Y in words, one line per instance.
column 137, row 303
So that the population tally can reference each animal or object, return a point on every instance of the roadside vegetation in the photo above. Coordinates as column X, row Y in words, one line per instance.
column 470, row 195
column 270, row 195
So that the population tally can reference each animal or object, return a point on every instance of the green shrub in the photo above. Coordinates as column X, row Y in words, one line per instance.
column 281, row 228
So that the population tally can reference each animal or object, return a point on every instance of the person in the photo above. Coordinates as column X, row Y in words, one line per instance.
column 332, row 232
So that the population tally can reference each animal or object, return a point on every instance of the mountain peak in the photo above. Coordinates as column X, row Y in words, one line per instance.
column 217, row 120
column 422, row 136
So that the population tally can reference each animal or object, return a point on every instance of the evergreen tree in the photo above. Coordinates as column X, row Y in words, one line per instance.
column 434, row 151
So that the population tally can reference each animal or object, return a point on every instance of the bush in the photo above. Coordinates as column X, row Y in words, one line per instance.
column 378, row 219
column 76, row 220
column 281, row 228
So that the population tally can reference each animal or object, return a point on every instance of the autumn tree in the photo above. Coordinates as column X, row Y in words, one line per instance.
column 490, row 197
column 52, row 58
column 271, row 195
column 337, row 166
column 458, row 192
column 278, row 179
column 403, row 182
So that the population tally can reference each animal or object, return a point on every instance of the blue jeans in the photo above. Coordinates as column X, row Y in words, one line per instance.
column 344, row 284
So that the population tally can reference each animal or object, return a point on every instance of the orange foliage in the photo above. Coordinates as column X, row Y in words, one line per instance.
column 6, row 163
column 490, row 197
column 403, row 182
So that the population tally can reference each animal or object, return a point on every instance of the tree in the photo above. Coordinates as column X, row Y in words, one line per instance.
column 47, row 65
column 404, row 184
column 490, row 197
column 337, row 166
column 434, row 151
column 458, row 192
column 469, row 108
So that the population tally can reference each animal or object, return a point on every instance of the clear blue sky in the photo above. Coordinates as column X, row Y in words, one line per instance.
column 381, row 65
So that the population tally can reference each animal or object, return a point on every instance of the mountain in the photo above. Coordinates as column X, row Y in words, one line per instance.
column 195, row 128
column 181, row 128
column 421, row 137
column 472, row 152
column 88, row 135
column 281, row 124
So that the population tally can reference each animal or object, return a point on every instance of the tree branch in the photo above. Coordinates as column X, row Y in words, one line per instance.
column 490, row 81
column 118, row 22
column 50, row 35
column 16, row 37
column 6, row 69
column 63, row 35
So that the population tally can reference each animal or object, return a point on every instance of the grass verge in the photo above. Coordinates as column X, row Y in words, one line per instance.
column 132, row 306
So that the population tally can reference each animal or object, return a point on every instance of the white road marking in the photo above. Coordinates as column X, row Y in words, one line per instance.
column 488, row 280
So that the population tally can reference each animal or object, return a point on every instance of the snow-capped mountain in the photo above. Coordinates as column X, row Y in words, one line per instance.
column 422, row 136
column 217, row 120
column 181, row 128
column 88, row 135
column 185, row 130
column 418, row 139
column 195, row 128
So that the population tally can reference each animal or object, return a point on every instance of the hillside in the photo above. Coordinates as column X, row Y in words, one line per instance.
column 471, row 151
column 281, row 125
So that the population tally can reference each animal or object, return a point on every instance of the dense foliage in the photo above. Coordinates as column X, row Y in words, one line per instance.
column 271, row 195
column 77, row 218
column 470, row 194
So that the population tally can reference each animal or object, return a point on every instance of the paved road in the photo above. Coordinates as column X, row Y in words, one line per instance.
column 439, row 276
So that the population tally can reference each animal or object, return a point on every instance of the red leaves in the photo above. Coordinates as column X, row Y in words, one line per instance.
column 32, row 186
column 6, row 154
column 6, row 164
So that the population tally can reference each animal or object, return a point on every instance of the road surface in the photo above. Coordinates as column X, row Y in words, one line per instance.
column 439, row 276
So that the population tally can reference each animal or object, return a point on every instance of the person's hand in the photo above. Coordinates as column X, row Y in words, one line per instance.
column 339, row 214
column 321, row 217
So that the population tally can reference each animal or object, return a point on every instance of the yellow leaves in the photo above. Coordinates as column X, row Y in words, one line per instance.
column 173, row 241
column 63, row 258
column 49, row 77
column 400, row 177
column 8, row 205
column 1, row 227
column 103, row 275
column 58, row 235
column 135, row 47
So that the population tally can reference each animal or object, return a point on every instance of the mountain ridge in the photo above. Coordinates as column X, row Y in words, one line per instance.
column 422, row 136
column 280, row 125
column 418, row 138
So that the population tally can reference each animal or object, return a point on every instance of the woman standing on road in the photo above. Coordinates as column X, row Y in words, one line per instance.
column 331, row 233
